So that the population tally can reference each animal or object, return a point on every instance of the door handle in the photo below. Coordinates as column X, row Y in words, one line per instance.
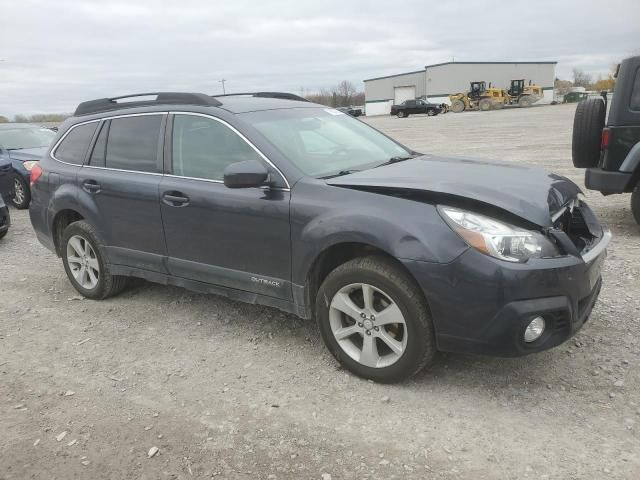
column 175, row 199
column 91, row 186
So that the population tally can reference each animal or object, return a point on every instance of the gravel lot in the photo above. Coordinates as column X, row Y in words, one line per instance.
column 228, row 390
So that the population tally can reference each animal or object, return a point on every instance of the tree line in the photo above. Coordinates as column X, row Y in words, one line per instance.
column 583, row 79
column 343, row 94
column 36, row 118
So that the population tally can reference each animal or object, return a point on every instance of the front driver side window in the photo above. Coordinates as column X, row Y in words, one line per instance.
column 203, row 147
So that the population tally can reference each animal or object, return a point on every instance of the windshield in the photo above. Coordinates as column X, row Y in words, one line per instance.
column 18, row 138
column 324, row 141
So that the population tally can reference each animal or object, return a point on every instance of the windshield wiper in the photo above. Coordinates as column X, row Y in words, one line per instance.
column 341, row 173
column 396, row 160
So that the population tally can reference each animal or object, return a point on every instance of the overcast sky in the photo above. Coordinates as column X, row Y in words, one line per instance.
column 57, row 53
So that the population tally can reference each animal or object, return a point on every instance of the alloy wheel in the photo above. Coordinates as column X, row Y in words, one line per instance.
column 18, row 192
column 368, row 325
column 83, row 262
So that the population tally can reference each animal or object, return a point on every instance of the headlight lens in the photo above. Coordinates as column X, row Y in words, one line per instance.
column 29, row 165
column 496, row 238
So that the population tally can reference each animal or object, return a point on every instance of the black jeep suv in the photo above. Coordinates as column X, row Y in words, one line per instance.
column 610, row 149
column 267, row 198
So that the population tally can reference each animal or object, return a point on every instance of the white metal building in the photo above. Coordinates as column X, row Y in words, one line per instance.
column 437, row 82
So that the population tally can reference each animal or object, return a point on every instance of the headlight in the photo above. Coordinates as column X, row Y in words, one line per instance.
column 29, row 165
column 496, row 238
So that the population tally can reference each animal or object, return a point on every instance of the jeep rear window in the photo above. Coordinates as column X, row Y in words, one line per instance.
column 133, row 143
column 74, row 146
column 634, row 103
column 322, row 141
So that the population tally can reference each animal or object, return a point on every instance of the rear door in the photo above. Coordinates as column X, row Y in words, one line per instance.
column 121, row 181
column 236, row 238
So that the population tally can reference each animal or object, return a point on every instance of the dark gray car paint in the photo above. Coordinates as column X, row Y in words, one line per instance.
column 529, row 193
column 259, row 244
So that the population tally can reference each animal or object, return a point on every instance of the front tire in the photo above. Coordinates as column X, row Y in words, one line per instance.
column 85, row 263
column 485, row 105
column 457, row 106
column 21, row 192
column 431, row 112
column 374, row 320
column 635, row 203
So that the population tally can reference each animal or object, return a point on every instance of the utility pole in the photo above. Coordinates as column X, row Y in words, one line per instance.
column 224, row 92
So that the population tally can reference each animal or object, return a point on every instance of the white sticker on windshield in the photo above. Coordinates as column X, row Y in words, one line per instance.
column 333, row 111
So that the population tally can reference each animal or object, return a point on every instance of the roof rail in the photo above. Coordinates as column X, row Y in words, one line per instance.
column 280, row 95
column 162, row 98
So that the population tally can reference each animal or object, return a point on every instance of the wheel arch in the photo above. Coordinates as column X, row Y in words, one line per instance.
column 61, row 220
column 337, row 254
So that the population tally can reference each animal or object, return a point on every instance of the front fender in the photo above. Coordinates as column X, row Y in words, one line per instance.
column 405, row 229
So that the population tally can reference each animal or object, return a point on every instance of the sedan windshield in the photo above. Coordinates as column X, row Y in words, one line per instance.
column 324, row 141
column 21, row 137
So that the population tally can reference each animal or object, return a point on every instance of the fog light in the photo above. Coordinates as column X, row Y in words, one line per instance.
column 534, row 330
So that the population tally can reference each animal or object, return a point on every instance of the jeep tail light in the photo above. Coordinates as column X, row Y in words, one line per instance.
column 36, row 173
column 604, row 143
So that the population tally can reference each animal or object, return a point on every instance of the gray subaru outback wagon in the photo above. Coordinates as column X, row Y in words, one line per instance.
column 267, row 198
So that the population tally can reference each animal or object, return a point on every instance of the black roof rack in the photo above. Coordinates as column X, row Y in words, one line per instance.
column 280, row 95
column 162, row 98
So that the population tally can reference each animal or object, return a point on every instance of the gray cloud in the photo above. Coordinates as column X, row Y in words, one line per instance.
column 58, row 53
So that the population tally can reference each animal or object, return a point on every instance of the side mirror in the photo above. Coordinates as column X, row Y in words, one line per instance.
column 247, row 174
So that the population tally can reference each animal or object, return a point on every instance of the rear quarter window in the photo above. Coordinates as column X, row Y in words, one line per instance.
column 75, row 144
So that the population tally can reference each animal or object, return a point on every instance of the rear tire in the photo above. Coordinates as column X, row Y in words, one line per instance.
column 85, row 263
column 457, row 106
column 402, row 114
column 3, row 234
column 394, row 295
column 588, row 123
column 635, row 203
column 21, row 192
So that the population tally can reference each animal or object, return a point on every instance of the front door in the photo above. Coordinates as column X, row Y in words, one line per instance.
column 236, row 238
column 121, row 180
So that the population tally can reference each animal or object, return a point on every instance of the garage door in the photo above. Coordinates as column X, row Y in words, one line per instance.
column 400, row 94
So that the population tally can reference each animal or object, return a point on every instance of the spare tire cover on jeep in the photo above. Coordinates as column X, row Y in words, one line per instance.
column 588, row 123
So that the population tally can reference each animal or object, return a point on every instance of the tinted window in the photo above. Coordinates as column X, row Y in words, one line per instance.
column 74, row 146
column 634, row 103
column 97, row 156
column 203, row 147
column 133, row 143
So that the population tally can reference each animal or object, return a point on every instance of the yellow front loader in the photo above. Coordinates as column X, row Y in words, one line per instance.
column 479, row 97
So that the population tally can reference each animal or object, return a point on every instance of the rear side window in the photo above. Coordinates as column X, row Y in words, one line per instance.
column 133, row 143
column 74, row 146
column 99, row 149
column 634, row 103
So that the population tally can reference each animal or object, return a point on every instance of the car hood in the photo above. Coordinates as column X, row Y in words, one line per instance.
column 25, row 154
column 530, row 193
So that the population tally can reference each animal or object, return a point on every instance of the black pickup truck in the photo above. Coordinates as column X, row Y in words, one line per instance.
column 409, row 107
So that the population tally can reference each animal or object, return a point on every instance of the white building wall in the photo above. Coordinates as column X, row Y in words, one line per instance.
column 445, row 79
column 438, row 81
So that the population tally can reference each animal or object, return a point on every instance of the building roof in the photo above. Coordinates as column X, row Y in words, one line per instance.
column 395, row 75
column 460, row 63
column 492, row 63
